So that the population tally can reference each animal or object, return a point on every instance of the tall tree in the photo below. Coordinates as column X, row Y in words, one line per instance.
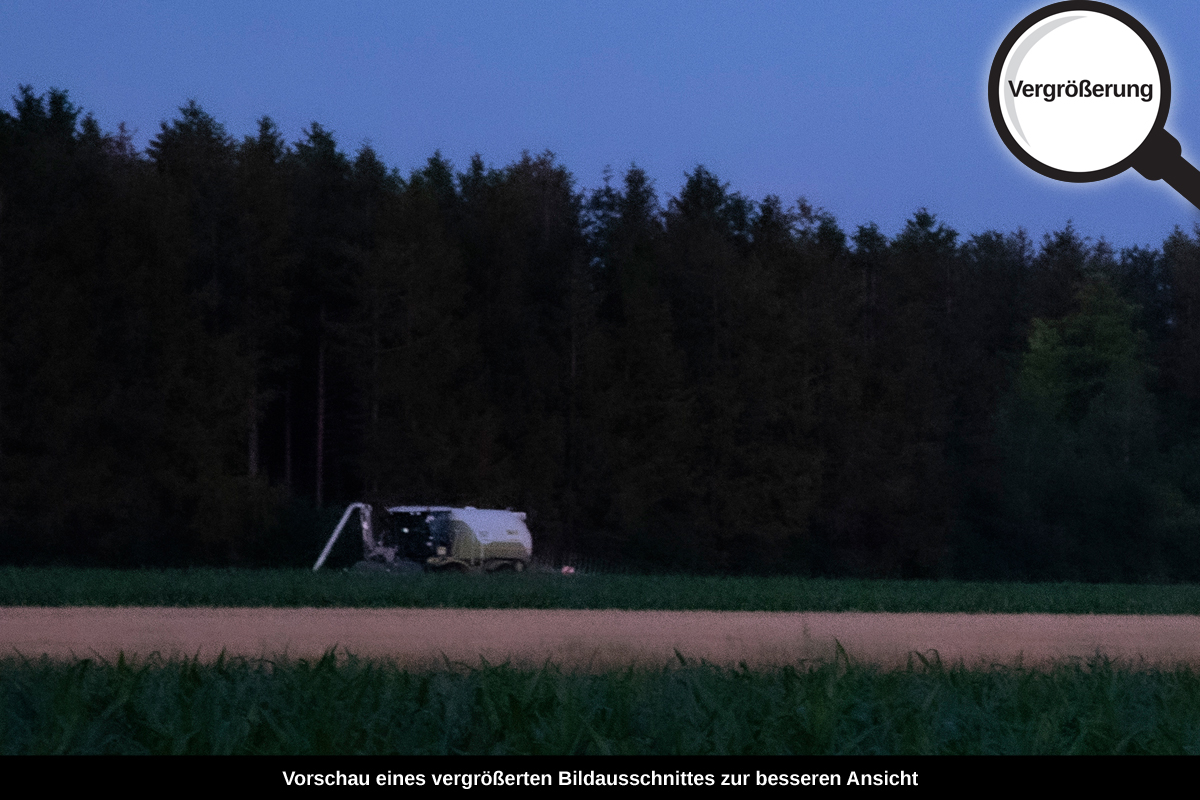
column 635, row 452
column 262, row 278
column 1079, row 439
column 321, row 180
column 522, row 235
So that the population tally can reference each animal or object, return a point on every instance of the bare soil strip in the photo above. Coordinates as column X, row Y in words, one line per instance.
column 594, row 640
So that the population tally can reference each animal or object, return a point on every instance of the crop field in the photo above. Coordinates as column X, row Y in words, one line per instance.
column 351, row 703
column 331, row 706
column 300, row 588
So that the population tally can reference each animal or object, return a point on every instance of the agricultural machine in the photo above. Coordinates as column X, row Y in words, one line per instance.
column 414, row 538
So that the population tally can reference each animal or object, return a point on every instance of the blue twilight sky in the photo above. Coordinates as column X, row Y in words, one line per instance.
column 871, row 110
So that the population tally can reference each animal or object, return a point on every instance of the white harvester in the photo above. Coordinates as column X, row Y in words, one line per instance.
column 412, row 538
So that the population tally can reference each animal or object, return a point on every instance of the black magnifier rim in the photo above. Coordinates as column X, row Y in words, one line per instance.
column 1007, row 45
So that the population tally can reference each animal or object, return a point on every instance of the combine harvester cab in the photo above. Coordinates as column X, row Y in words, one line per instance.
column 411, row 538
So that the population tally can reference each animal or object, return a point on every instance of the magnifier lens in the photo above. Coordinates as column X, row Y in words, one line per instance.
column 1079, row 92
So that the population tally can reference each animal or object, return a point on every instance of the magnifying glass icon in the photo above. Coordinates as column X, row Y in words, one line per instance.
column 1079, row 91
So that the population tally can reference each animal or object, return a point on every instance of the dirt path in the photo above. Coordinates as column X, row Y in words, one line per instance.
column 594, row 639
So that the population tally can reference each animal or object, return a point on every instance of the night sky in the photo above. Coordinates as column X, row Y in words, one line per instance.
column 870, row 111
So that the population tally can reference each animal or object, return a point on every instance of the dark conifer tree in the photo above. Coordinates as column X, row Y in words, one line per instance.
column 636, row 460
column 264, row 272
column 321, row 302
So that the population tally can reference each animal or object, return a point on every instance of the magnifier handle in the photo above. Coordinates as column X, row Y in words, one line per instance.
column 1161, row 158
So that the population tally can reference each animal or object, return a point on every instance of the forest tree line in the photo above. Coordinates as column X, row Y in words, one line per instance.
column 210, row 347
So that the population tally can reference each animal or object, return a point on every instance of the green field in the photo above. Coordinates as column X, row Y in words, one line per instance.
column 325, row 707
column 349, row 706
column 303, row 588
